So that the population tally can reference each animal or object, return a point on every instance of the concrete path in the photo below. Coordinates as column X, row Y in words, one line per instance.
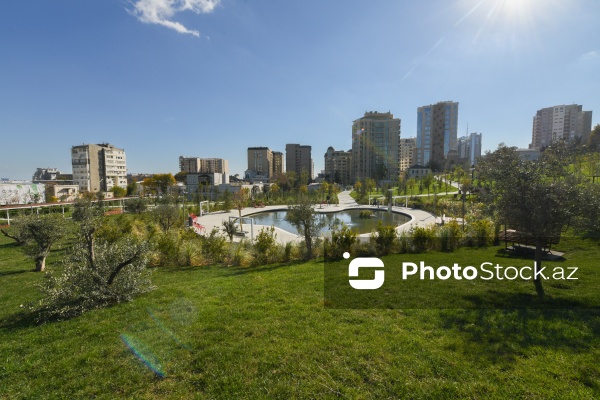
column 212, row 220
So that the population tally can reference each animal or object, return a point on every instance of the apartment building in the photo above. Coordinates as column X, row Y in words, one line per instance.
column 98, row 167
column 375, row 146
column 298, row 158
column 406, row 153
column 193, row 165
column 563, row 122
column 437, row 126
column 338, row 166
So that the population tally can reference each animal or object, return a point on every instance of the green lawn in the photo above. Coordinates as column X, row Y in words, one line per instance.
column 236, row 333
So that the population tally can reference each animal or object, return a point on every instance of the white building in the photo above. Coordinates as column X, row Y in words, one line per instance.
column 564, row 122
column 98, row 167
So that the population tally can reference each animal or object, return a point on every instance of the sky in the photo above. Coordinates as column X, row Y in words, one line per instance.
column 210, row 78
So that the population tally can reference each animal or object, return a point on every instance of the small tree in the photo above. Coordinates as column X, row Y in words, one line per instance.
column 166, row 215
column 135, row 206
column 119, row 191
column 230, row 228
column 304, row 217
column 240, row 200
column 39, row 233
column 227, row 201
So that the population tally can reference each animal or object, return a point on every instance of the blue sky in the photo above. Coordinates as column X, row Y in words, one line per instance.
column 208, row 78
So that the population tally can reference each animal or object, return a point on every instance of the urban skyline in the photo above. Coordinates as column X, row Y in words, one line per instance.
column 206, row 87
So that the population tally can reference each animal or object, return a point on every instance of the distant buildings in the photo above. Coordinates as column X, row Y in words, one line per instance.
column 469, row 148
column 564, row 122
column 277, row 163
column 260, row 163
column 192, row 165
column 338, row 166
column 298, row 158
column 406, row 153
column 437, row 126
column 528, row 154
column 98, row 167
column 375, row 139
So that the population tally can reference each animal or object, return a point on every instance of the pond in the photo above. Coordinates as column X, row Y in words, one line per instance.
column 350, row 218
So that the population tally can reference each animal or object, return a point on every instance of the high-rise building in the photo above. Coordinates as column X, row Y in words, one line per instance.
column 375, row 149
column 338, row 166
column 564, row 122
column 406, row 153
column 98, row 167
column 277, row 163
column 193, row 165
column 469, row 148
column 260, row 162
column 298, row 159
column 437, row 126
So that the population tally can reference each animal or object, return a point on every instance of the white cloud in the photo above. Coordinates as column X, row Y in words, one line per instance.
column 161, row 12
column 590, row 56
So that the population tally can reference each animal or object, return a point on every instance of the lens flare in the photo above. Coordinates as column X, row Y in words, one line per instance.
column 141, row 351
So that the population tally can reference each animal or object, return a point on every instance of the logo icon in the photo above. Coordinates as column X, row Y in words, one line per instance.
column 365, row 262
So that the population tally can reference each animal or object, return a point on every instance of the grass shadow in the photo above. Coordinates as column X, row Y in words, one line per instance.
column 502, row 336
column 265, row 268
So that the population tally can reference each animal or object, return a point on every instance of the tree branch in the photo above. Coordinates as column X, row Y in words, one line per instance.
column 119, row 267
column 16, row 239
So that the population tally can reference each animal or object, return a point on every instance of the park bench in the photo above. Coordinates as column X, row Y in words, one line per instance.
column 523, row 241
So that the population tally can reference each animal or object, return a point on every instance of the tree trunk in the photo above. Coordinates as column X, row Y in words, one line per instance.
column 308, row 241
column 40, row 264
column 537, row 281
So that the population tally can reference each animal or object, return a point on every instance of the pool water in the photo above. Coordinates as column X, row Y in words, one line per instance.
column 349, row 218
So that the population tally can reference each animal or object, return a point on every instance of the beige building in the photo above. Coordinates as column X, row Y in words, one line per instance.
column 98, row 167
column 437, row 133
column 62, row 192
column 193, row 165
column 277, row 163
column 406, row 153
column 375, row 144
column 298, row 158
column 260, row 162
column 338, row 166
column 564, row 122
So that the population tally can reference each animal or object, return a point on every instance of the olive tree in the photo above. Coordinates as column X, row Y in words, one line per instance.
column 39, row 233
column 538, row 198
column 304, row 217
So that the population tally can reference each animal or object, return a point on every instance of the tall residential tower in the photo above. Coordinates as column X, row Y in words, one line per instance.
column 375, row 141
column 437, row 126
column 565, row 122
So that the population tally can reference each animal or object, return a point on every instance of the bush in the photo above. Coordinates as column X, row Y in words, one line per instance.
column 135, row 206
column 450, row 236
column 214, row 246
column 423, row 239
column 117, row 275
column 480, row 233
column 265, row 246
column 383, row 239
column 342, row 240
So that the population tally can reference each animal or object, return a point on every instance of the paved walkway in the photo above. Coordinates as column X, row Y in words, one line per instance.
column 346, row 202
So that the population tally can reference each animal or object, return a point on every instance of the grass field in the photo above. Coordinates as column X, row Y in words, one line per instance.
column 232, row 333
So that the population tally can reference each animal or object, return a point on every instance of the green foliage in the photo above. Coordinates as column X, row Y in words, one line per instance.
column 303, row 216
column 39, row 233
column 365, row 214
column 480, row 233
column 343, row 238
column 423, row 239
column 266, row 249
column 214, row 246
column 167, row 216
column 383, row 239
column 230, row 228
column 136, row 205
column 117, row 275
column 119, row 191
column 450, row 236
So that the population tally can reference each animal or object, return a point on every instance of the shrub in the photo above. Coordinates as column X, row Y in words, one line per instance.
column 383, row 239
column 480, row 233
column 214, row 246
column 422, row 239
column 450, row 236
column 265, row 246
column 135, row 206
column 342, row 240
column 117, row 274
